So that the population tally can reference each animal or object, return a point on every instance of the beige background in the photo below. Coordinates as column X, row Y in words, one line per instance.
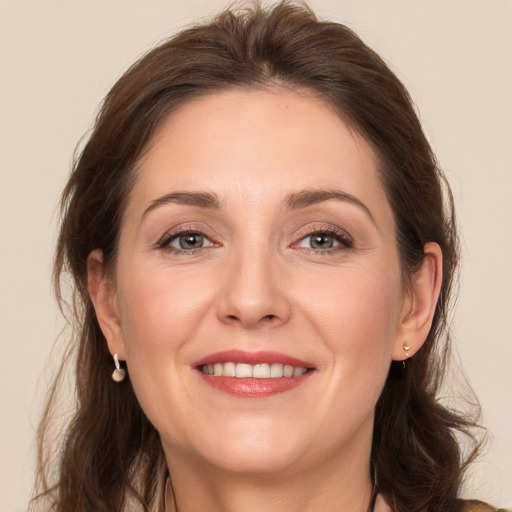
column 59, row 58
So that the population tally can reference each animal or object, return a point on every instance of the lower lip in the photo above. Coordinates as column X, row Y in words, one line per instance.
column 254, row 388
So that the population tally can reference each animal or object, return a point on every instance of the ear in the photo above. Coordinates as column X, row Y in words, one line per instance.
column 420, row 305
column 103, row 294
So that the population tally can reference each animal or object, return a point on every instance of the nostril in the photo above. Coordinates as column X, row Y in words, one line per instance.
column 263, row 319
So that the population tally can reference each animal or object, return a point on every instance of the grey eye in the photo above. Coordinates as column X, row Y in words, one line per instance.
column 319, row 241
column 189, row 241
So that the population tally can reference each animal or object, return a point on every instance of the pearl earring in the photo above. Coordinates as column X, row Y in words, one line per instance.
column 119, row 373
column 406, row 350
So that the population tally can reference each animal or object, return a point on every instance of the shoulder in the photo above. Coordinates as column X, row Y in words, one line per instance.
column 479, row 506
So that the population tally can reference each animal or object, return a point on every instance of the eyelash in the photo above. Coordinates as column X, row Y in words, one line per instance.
column 344, row 241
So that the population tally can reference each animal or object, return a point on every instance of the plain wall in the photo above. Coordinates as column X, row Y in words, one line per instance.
column 59, row 58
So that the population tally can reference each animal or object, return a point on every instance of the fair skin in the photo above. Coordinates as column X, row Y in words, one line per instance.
column 264, row 265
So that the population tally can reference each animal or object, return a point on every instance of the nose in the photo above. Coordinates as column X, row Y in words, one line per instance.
column 253, row 294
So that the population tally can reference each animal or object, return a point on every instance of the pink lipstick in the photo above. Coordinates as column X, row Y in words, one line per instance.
column 253, row 374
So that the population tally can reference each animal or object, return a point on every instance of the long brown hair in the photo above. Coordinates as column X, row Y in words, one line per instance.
column 110, row 454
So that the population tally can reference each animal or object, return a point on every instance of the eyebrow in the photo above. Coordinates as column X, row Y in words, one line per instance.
column 306, row 198
column 294, row 201
column 199, row 199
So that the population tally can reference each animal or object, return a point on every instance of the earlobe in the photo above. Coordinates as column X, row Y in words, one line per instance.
column 104, row 298
column 419, row 312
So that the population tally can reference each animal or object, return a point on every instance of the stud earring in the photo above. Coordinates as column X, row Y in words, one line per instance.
column 119, row 373
column 406, row 350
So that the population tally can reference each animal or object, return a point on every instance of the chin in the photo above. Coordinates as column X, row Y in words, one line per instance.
column 258, row 448
column 255, row 459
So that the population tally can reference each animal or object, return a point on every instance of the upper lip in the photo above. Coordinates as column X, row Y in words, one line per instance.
column 259, row 357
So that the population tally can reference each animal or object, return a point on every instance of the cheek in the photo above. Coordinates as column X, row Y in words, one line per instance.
column 355, row 306
column 356, row 315
column 160, row 315
column 160, row 311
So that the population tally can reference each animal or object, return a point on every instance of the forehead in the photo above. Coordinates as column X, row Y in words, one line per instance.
column 254, row 145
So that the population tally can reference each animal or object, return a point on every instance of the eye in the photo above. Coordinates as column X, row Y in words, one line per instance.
column 319, row 241
column 324, row 240
column 188, row 241
column 185, row 241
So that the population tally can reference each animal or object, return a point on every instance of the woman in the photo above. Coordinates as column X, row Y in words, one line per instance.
column 263, row 262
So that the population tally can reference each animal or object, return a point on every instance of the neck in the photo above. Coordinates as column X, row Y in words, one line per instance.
column 330, row 487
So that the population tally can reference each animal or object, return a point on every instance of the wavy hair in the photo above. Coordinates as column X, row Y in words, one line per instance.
column 109, row 457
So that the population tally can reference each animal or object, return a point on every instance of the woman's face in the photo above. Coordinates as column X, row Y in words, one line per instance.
column 256, row 238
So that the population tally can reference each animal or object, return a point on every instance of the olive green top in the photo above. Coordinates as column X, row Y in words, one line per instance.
column 478, row 506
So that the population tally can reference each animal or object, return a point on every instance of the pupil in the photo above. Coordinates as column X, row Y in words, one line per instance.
column 191, row 241
column 322, row 241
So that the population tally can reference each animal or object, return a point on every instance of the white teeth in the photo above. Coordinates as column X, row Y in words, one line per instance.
column 276, row 370
column 229, row 370
column 288, row 371
column 243, row 370
column 257, row 371
column 261, row 371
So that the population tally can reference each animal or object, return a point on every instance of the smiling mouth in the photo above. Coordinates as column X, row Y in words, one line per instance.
column 255, row 371
column 260, row 374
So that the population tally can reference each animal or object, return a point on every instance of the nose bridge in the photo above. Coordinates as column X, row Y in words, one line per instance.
column 253, row 294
